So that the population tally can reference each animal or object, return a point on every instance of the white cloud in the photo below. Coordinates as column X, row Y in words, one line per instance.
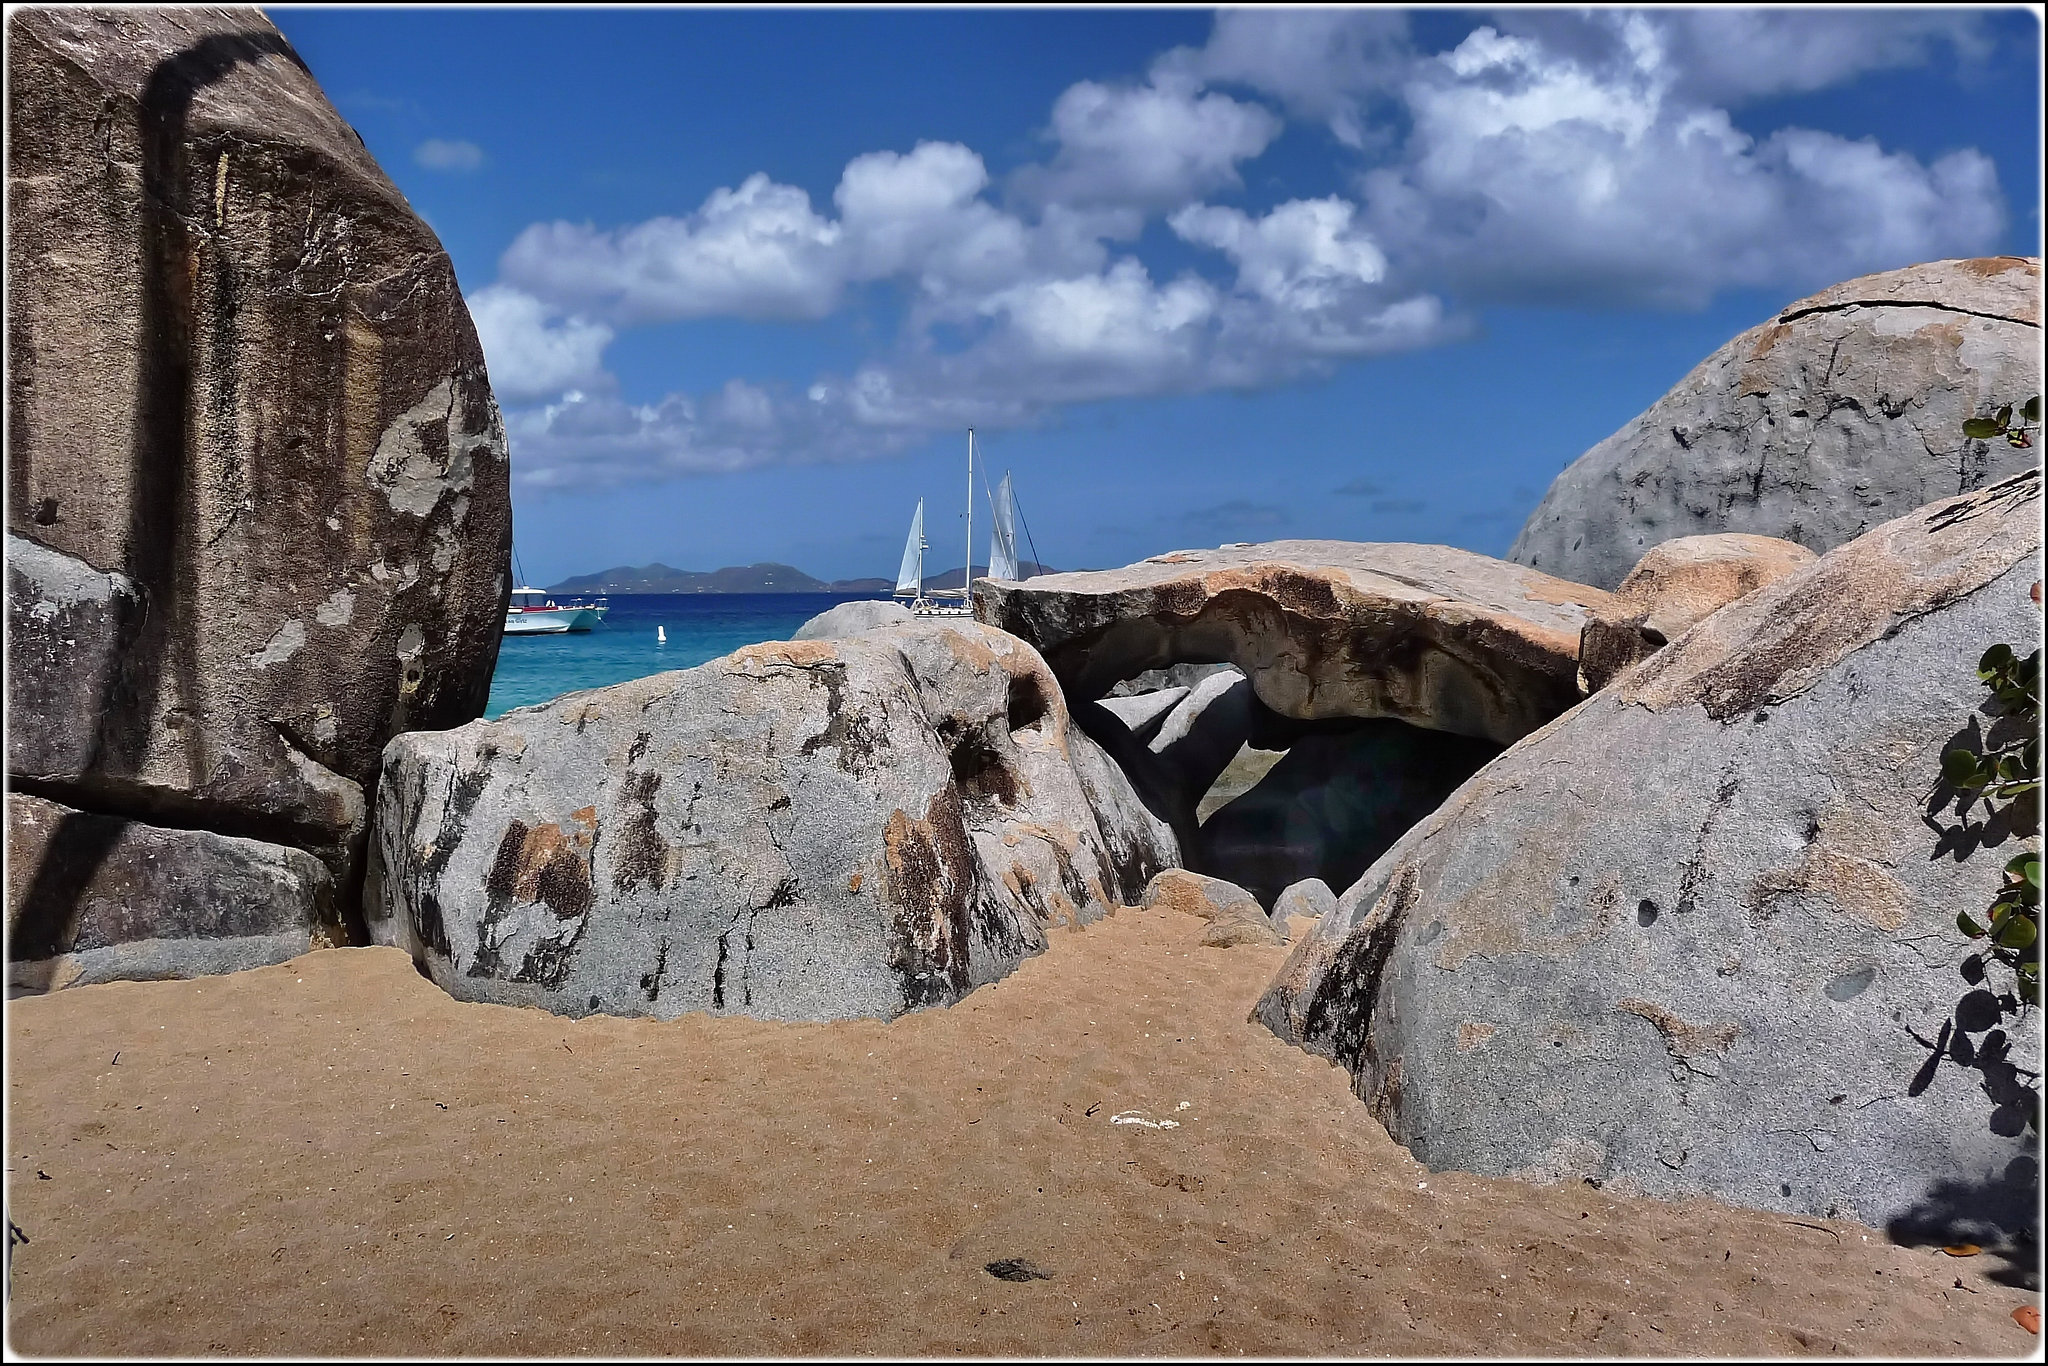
column 1118, row 318
column 1302, row 256
column 759, row 251
column 1529, row 173
column 1157, row 145
column 1571, row 157
column 1725, row 54
column 531, row 355
column 442, row 154
column 1324, row 65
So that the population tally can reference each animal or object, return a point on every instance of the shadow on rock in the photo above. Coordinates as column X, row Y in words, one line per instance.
column 2002, row 1213
column 1334, row 804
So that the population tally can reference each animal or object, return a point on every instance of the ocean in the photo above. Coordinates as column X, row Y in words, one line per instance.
column 700, row 626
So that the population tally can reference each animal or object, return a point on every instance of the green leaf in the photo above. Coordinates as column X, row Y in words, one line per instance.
column 2005, row 415
column 1968, row 926
column 2017, row 933
column 2031, row 409
column 1997, row 657
column 1983, row 428
column 1959, row 767
column 2028, row 867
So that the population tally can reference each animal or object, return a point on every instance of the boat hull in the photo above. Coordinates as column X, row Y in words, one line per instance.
column 536, row 623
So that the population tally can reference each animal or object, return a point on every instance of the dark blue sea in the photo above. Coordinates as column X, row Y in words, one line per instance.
column 700, row 626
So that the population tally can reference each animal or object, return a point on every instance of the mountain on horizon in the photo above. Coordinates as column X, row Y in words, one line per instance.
column 753, row 578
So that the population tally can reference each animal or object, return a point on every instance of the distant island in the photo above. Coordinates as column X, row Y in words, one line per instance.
column 752, row 578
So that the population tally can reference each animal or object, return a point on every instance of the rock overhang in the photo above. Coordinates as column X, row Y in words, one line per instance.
column 1436, row 636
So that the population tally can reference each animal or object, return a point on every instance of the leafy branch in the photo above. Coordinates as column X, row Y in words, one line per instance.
column 2007, row 779
column 2002, row 425
column 2003, row 771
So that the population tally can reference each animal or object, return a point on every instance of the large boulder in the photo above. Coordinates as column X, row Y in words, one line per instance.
column 97, row 899
column 1697, row 936
column 1144, row 713
column 1843, row 411
column 800, row 830
column 1234, row 914
column 1311, row 897
column 258, row 506
column 1433, row 636
column 1676, row 585
column 1182, row 676
column 851, row 618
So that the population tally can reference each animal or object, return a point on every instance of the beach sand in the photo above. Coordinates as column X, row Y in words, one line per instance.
column 332, row 1157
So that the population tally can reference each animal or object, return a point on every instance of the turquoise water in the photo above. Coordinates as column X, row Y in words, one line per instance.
column 700, row 626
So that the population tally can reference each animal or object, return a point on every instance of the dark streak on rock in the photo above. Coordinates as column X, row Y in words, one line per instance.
column 504, row 874
column 548, row 961
column 849, row 729
column 642, row 856
column 1695, row 871
column 563, row 885
column 1338, row 1021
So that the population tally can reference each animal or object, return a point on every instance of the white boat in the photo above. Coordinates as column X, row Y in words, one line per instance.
column 1002, row 552
column 533, row 613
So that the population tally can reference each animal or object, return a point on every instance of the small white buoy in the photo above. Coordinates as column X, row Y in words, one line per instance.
column 661, row 635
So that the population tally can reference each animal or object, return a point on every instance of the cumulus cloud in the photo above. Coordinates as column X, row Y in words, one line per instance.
column 1303, row 256
column 1729, row 55
column 1558, row 156
column 443, row 154
column 529, row 353
column 1153, row 146
column 759, row 251
column 1326, row 66
column 1531, row 174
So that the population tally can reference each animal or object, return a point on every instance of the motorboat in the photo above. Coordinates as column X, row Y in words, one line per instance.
column 533, row 613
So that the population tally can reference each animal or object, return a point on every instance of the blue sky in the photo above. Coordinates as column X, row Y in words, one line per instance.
column 745, row 277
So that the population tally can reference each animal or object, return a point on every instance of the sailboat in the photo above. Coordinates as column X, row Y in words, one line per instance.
column 1002, row 552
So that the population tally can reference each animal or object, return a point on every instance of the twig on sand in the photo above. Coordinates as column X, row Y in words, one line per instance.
column 1818, row 1228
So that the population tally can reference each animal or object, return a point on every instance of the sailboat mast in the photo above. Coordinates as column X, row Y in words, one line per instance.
column 967, row 580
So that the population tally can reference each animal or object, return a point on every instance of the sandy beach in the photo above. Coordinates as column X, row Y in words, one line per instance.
column 331, row 1157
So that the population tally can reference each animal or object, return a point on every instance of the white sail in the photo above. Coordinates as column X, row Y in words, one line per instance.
column 1002, row 542
column 910, row 578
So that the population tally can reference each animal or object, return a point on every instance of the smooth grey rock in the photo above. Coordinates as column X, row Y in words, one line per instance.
column 1334, row 803
column 244, row 388
column 1311, row 897
column 1842, row 412
column 800, row 830
column 851, row 618
column 96, row 899
column 1191, row 893
column 68, row 625
column 1434, row 636
column 1241, row 775
column 1234, row 914
column 1177, row 676
column 1697, row 937
column 1202, row 733
column 1676, row 585
column 1144, row 713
